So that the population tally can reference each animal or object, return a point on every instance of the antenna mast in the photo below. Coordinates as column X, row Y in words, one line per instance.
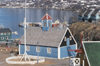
column 25, row 29
column 25, row 56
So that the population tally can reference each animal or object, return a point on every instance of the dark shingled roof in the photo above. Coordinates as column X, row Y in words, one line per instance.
column 82, row 11
column 88, row 11
column 4, row 30
column 92, row 50
column 51, row 38
column 95, row 12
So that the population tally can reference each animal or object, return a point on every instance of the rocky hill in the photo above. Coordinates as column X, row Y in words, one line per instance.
column 91, row 32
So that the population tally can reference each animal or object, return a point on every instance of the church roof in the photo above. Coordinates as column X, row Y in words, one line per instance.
column 46, row 17
column 5, row 30
column 52, row 38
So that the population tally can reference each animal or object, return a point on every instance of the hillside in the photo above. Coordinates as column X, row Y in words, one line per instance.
column 91, row 32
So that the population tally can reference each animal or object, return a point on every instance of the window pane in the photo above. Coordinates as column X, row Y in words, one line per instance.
column 45, row 23
column 27, row 48
column 7, row 37
column 37, row 49
column 1, row 33
column 48, row 50
column 8, row 33
column 2, row 38
column 4, row 33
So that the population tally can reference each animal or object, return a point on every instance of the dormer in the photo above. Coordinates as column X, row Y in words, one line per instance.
column 46, row 22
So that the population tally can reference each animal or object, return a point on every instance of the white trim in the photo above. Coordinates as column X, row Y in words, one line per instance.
column 71, row 35
column 47, row 23
column 83, row 63
column 27, row 48
column 49, row 50
column 90, row 41
column 58, row 52
column 19, row 49
column 8, row 60
column 86, row 53
column 50, row 57
column 37, row 49
column 53, row 58
column 43, row 57
column 47, row 57
column 47, row 20
column 73, row 38
column 63, row 37
column 65, row 57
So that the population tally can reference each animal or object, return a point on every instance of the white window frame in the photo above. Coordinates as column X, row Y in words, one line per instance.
column 45, row 24
column 7, row 37
column 65, row 38
column 1, row 34
column 70, row 37
column 8, row 33
column 27, row 48
column 2, row 38
column 4, row 33
column 37, row 49
column 49, row 50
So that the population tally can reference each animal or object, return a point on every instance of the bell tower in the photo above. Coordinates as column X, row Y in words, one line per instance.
column 46, row 22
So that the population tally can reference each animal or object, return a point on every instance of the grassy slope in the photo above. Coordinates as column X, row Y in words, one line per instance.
column 91, row 31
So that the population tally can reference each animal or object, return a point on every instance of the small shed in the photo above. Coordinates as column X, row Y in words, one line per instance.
column 91, row 53
column 48, row 41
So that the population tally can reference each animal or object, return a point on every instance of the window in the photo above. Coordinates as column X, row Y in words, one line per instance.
column 1, row 33
column 70, row 38
column 65, row 38
column 27, row 48
column 49, row 24
column 49, row 50
column 45, row 23
column 2, row 38
column 7, row 37
column 8, row 33
column 4, row 33
column 37, row 49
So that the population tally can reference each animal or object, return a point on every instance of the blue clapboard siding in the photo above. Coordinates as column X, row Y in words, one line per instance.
column 43, row 51
column 72, row 53
column 46, row 24
column 65, row 53
column 21, row 50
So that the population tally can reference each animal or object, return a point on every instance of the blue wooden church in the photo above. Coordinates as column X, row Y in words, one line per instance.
column 48, row 41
